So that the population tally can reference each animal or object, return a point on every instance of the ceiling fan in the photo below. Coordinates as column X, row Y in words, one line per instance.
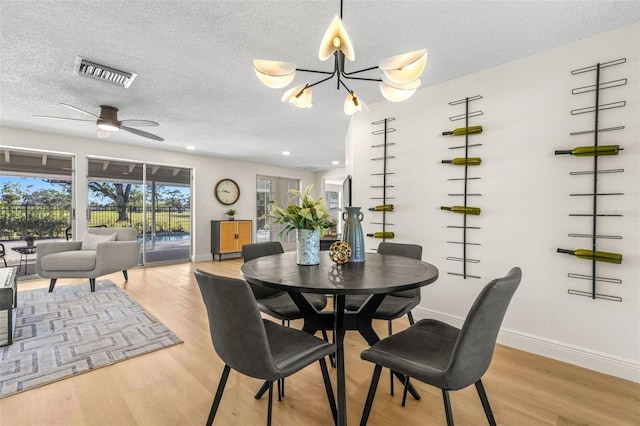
column 108, row 122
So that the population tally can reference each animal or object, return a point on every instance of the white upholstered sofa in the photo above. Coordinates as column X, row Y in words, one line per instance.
column 101, row 251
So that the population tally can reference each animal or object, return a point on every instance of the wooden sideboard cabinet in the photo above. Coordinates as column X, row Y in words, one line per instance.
column 228, row 236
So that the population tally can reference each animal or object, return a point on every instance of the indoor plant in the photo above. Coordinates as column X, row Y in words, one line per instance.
column 309, row 217
column 230, row 213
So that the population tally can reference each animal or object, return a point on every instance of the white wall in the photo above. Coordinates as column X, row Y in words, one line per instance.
column 207, row 172
column 525, row 197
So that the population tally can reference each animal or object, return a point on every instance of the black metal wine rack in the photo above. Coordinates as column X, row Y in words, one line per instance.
column 465, row 260
column 596, row 172
column 383, row 160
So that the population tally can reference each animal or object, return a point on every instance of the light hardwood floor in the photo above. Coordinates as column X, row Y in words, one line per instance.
column 175, row 386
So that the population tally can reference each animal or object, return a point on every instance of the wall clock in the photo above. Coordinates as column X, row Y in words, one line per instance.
column 227, row 191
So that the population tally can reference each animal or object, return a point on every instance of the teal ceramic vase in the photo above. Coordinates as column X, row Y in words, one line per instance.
column 352, row 233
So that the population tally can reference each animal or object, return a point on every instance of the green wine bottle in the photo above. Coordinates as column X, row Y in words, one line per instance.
column 464, row 161
column 475, row 211
column 590, row 151
column 461, row 131
column 382, row 208
column 599, row 256
column 388, row 235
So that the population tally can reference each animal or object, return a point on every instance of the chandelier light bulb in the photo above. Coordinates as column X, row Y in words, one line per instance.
column 336, row 38
column 300, row 96
column 352, row 104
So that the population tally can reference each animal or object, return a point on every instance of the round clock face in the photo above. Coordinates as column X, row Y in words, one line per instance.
column 227, row 191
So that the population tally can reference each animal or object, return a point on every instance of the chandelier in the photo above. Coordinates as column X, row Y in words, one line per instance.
column 398, row 82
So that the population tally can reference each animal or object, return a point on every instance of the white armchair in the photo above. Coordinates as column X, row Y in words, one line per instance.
column 102, row 251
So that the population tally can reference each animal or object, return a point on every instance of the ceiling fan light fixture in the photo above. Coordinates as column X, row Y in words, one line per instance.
column 336, row 38
column 107, row 125
column 274, row 74
column 404, row 68
column 300, row 96
column 102, row 133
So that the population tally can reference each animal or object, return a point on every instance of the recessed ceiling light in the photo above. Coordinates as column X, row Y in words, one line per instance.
column 335, row 162
column 286, row 153
column 191, row 147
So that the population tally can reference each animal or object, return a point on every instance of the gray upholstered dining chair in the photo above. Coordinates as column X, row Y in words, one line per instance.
column 277, row 303
column 444, row 356
column 254, row 346
column 397, row 304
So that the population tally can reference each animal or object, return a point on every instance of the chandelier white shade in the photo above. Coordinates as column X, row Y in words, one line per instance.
column 399, row 80
column 398, row 92
column 300, row 96
column 336, row 38
column 404, row 68
column 352, row 104
column 275, row 74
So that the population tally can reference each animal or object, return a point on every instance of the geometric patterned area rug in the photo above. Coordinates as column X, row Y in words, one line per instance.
column 72, row 331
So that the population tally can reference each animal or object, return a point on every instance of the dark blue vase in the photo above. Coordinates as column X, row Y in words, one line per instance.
column 352, row 233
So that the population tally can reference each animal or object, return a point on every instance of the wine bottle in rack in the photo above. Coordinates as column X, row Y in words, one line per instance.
column 599, row 256
column 590, row 151
column 475, row 211
column 388, row 235
column 382, row 208
column 464, row 161
column 461, row 131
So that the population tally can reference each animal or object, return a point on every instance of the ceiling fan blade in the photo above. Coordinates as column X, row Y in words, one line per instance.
column 142, row 133
column 63, row 118
column 79, row 110
column 140, row 123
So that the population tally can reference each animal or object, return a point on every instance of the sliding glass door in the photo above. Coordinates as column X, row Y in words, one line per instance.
column 154, row 199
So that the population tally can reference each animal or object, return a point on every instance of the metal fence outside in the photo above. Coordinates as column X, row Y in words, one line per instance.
column 19, row 221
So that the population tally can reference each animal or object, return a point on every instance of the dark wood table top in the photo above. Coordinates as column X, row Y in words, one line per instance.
column 378, row 274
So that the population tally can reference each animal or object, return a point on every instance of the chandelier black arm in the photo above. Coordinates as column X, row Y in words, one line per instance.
column 359, row 71
column 345, row 86
column 348, row 74
column 322, row 81
column 316, row 71
column 361, row 78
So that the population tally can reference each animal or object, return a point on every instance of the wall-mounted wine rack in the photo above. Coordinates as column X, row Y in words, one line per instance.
column 382, row 201
column 464, row 208
column 596, row 151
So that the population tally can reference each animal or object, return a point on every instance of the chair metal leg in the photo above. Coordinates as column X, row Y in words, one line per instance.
column 269, row 410
column 92, row 284
column 410, row 316
column 52, row 284
column 447, row 407
column 404, row 391
column 329, row 389
column 390, row 332
column 485, row 403
column 126, row 277
column 262, row 390
column 279, row 390
column 218, row 397
column 372, row 393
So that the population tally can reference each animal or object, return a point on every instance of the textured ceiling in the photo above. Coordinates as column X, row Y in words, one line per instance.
column 194, row 63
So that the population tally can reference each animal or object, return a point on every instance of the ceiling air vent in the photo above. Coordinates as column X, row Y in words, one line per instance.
column 87, row 68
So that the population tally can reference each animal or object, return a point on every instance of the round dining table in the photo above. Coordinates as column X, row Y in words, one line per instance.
column 377, row 276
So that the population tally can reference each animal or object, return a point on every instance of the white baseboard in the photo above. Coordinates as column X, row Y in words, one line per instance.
column 583, row 357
